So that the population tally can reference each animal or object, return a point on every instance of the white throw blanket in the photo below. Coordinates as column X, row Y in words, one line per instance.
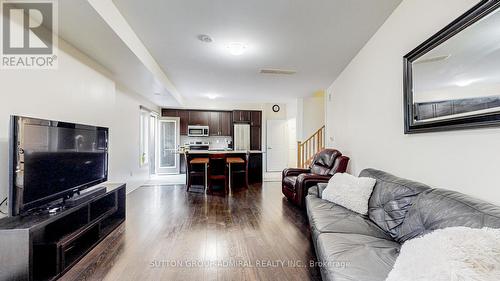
column 450, row 254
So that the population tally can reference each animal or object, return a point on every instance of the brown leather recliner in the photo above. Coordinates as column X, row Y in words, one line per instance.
column 296, row 182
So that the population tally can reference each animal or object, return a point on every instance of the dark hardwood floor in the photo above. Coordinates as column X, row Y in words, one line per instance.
column 173, row 235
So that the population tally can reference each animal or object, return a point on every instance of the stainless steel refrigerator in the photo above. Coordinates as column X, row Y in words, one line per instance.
column 241, row 137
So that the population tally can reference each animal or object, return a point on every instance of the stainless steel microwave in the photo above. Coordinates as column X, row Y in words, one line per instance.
column 198, row 131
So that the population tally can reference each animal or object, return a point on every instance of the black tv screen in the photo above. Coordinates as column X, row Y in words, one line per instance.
column 53, row 159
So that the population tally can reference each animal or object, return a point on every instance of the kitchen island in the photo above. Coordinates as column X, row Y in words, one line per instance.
column 255, row 171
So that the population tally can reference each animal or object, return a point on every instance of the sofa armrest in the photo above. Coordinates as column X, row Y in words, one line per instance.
column 294, row 172
column 304, row 181
column 321, row 187
column 343, row 162
column 317, row 190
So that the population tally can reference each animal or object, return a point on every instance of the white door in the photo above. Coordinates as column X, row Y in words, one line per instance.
column 168, row 157
column 277, row 145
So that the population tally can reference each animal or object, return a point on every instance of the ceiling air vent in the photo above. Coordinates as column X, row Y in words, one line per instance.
column 277, row 71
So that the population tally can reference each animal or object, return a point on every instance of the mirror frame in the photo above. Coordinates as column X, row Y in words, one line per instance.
column 470, row 17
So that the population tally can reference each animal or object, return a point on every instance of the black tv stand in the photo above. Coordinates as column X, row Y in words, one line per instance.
column 82, row 197
column 43, row 246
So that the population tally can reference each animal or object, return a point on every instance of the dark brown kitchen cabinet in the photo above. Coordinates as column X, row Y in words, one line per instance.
column 256, row 118
column 197, row 117
column 167, row 112
column 255, row 138
column 184, row 120
column 226, row 124
column 214, row 123
column 241, row 116
column 220, row 123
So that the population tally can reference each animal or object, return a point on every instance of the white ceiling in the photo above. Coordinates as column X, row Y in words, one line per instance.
column 315, row 38
column 82, row 27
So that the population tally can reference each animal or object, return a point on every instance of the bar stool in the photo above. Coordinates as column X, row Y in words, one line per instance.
column 217, row 171
column 238, row 162
column 196, row 173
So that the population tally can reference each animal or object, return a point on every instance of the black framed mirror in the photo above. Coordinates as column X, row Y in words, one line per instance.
column 452, row 80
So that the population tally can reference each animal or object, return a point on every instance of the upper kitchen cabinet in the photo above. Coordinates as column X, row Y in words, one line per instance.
column 256, row 118
column 184, row 116
column 220, row 123
column 214, row 123
column 199, row 118
column 241, row 116
column 226, row 124
column 168, row 112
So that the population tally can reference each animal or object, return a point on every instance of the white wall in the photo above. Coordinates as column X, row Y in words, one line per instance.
column 291, row 117
column 365, row 116
column 313, row 114
column 78, row 91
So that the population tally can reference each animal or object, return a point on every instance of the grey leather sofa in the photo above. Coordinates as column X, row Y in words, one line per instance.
column 353, row 247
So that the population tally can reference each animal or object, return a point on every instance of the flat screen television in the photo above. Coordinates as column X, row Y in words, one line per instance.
column 51, row 160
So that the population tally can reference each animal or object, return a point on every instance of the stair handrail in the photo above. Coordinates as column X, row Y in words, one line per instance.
column 308, row 148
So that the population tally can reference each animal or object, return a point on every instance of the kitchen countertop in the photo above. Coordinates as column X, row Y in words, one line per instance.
column 222, row 151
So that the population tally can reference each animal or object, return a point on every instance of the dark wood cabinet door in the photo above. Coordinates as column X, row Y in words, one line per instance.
column 226, row 125
column 237, row 116
column 255, row 138
column 214, row 123
column 241, row 116
column 246, row 116
column 197, row 117
column 184, row 116
column 256, row 118
column 167, row 112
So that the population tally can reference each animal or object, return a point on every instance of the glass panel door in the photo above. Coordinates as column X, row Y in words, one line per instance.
column 168, row 145
column 153, row 127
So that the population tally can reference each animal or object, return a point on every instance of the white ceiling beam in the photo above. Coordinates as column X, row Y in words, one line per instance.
column 112, row 16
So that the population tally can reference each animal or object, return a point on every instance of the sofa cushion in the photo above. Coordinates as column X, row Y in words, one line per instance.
column 350, row 192
column 325, row 216
column 440, row 208
column 355, row 257
column 390, row 200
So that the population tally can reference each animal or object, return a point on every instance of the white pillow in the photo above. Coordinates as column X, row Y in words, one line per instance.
column 455, row 253
column 350, row 192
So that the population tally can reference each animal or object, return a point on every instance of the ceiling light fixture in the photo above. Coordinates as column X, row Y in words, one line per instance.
column 465, row 83
column 205, row 38
column 212, row 96
column 236, row 48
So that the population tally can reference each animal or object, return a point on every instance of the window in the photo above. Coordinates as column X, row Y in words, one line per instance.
column 144, row 135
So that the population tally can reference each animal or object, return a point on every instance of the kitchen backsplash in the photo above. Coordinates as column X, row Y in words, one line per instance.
column 216, row 142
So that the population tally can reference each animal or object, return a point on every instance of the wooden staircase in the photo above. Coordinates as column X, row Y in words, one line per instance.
column 308, row 148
